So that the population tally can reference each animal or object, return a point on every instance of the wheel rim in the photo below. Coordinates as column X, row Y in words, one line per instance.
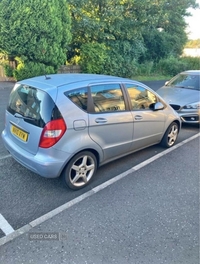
column 172, row 136
column 82, row 170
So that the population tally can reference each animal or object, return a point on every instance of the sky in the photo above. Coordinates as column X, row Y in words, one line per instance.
column 193, row 28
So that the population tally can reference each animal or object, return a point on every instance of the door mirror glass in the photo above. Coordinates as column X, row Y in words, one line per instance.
column 158, row 106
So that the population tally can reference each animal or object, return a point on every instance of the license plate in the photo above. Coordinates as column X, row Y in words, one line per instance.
column 19, row 133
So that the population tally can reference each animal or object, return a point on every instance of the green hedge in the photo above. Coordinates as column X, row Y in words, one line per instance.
column 27, row 69
column 172, row 66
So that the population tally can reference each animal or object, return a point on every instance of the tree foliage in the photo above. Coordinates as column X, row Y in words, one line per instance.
column 110, row 23
column 165, row 33
column 93, row 57
column 193, row 44
column 132, row 30
column 27, row 69
column 37, row 30
column 104, row 36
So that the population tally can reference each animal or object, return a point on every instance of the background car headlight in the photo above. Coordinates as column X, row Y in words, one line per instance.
column 195, row 105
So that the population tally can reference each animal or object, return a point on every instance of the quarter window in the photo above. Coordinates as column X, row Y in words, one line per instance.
column 107, row 98
column 79, row 97
column 141, row 98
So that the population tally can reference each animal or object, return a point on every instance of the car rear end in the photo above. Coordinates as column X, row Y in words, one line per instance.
column 33, row 125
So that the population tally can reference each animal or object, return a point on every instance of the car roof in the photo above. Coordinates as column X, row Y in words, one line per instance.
column 196, row 72
column 56, row 80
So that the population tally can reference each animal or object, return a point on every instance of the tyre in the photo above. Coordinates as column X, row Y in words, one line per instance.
column 170, row 135
column 80, row 170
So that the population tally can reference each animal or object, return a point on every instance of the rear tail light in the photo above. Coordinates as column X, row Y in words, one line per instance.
column 52, row 133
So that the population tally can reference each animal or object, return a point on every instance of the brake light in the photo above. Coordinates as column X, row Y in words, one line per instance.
column 52, row 133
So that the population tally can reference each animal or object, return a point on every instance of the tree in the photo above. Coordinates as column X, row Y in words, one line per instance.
column 108, row 22
column 164, row 35
column 132, row 30
column 193, row 44
column 37, row 31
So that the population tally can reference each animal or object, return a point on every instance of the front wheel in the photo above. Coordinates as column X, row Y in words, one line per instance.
column 170, row 135
column 80, row 170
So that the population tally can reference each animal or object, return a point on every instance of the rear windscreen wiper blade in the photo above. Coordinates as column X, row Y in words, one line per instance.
column 24, row 117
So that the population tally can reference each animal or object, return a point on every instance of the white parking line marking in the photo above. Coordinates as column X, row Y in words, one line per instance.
column 5, row 226
column 5, row 157
column 82, row 197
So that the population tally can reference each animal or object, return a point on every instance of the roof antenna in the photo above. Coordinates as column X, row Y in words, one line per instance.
column 46, row 77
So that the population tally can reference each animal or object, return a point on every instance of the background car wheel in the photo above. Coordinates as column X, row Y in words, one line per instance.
column 80, row 170
column 170, row 135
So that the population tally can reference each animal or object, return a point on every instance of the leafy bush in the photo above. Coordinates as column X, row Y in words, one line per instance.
column 123, row 57
column 5, row 62
column 93, row 57
column 171, row 66
column 145, row 68
column 119, row 58
column 27, row 69
column 193, row 63
column 8, row 70
column 39, row 30
column 119, row 66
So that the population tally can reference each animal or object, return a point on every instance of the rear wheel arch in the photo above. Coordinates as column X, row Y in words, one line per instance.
column 80, row 169
column 95, row 152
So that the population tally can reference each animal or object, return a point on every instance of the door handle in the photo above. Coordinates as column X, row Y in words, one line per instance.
column 138, row 117
column 100, row 120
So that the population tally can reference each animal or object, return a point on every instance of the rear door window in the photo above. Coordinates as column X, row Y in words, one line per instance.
column 107, row 98
column 33, row 105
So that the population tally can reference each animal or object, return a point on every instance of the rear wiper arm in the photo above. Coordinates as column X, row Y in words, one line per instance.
column 23, row 117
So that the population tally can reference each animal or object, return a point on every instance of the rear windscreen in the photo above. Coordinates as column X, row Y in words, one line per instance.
column 33, row 105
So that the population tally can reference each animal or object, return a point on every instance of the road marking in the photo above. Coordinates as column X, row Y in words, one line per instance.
column 82, row 197
column 5, row 157
column 5, row 226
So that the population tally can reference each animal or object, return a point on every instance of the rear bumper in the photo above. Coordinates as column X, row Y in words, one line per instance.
column 42, row 163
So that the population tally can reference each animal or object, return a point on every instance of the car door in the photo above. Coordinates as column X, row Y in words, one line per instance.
column 148, row 124
column 110, row 122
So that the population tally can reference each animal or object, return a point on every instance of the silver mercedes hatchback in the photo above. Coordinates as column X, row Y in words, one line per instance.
column 69, row 124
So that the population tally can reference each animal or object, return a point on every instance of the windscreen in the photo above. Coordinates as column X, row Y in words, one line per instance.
column 186, row 81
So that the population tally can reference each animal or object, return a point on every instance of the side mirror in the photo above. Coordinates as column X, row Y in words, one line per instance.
column 158, row 106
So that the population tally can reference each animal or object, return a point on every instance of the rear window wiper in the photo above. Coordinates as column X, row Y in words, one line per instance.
column 24, row 117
